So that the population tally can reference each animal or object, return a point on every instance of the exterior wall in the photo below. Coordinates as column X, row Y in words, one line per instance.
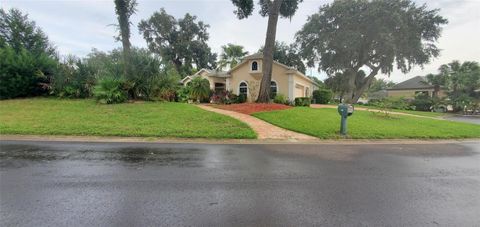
column 244, row 73
column 213, row 80
column 301, row 85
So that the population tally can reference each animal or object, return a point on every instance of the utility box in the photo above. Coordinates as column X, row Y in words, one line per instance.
column 345, row 110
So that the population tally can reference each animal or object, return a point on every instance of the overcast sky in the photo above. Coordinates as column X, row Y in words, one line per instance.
column 77, row 26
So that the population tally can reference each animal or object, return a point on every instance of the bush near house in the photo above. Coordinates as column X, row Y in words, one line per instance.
column 322, row 96
column 225, row 97
column 280, row 99
column 302, row 101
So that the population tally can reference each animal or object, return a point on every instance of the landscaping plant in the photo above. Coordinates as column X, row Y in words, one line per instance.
column 280, row 99
column 199, row 89
column 322, row 96
column 302, row 101
column 110, row 91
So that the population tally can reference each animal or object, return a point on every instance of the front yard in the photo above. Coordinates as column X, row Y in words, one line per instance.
column 325, row 123
column 41, row 116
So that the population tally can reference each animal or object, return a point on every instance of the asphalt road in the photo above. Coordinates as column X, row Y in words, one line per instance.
column 127, row 184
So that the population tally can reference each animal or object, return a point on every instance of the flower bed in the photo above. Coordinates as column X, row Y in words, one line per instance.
column 249, row 108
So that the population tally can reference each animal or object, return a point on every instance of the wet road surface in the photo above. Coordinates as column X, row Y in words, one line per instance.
column 128, row 184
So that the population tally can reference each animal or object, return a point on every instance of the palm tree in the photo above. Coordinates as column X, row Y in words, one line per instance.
column 437, row 81
column 124, row 9
column 231, row 55
column 199, row 88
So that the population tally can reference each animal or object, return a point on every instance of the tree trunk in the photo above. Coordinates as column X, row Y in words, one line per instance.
column 351, row 86
column 364, row 85
column 264, row 93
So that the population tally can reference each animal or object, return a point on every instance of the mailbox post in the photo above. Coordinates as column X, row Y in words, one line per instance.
column 345, row 110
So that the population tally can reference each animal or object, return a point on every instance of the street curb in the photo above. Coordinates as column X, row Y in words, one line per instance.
column 112, row 139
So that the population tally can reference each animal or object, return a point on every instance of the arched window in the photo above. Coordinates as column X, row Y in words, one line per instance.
column 273, row 89
column 243, row 89
column 254, row 66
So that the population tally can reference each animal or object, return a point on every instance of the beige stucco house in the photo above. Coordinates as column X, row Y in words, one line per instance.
column 412, row 87
column 245, row 79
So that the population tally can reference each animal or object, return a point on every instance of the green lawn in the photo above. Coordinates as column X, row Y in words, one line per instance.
column 412, row 112
column 41, row 116
column 325, row 124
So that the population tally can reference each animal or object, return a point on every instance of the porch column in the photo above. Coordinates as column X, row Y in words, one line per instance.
column 291, row 86
column 227, row 85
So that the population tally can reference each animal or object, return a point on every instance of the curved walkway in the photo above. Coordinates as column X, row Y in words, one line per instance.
column 263, row 129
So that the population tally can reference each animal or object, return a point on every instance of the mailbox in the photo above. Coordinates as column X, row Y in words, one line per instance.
column 345, row 110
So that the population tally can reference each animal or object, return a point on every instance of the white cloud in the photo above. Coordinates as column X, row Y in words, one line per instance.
column 79, row 25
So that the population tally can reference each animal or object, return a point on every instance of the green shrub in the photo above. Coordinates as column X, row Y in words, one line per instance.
column 183, row 94
column 280, row 99
column 422, row 102
column 303, row 101
column 110, row 91
column 73, row 79
column 241, row 98
column 322, row 96
column 199, row 89
column 24, row 74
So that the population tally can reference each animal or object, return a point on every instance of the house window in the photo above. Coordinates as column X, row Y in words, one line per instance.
column 254, row 66
column 243, row 89
column 273, row 89
column 421, row 93
column 307, row 92
column 219, row 87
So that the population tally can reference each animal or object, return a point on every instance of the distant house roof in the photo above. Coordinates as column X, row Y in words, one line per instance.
column 418, row 82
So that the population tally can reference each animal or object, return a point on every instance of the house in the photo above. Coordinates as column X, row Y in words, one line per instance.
column 412, row 87
column 245, row 79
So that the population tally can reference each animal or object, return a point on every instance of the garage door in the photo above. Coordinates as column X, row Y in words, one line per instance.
column 299, row 91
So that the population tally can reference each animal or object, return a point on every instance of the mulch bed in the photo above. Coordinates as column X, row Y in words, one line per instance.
column 249, row 108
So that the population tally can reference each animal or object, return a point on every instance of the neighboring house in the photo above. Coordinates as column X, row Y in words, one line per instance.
column 245, row 79
column 412, row 87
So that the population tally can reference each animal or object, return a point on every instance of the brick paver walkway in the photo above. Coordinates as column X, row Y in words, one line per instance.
column 263, row 129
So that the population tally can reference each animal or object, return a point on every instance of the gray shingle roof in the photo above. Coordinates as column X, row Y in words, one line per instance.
column 215, row 73
column 417, row 82
column 258, row 55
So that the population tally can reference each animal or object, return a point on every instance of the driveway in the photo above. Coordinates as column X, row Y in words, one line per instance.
column 150, row 184
column 465, row 118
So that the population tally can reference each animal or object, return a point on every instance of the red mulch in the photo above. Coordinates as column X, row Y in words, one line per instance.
column 249, row 108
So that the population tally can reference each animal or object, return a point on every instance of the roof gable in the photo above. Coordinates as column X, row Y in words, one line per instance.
column 418, row 82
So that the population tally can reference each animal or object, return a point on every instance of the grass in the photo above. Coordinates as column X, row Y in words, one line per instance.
column 412, row 112
column 325, row 124
column 41, row 116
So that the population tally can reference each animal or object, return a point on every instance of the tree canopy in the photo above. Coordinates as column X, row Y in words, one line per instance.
column 288, row 55
column 377, row 35
column 183, row 42
column 273, row 9
column 462, row 82
column 231, row 55
column 27, row 59
column 18, row 32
